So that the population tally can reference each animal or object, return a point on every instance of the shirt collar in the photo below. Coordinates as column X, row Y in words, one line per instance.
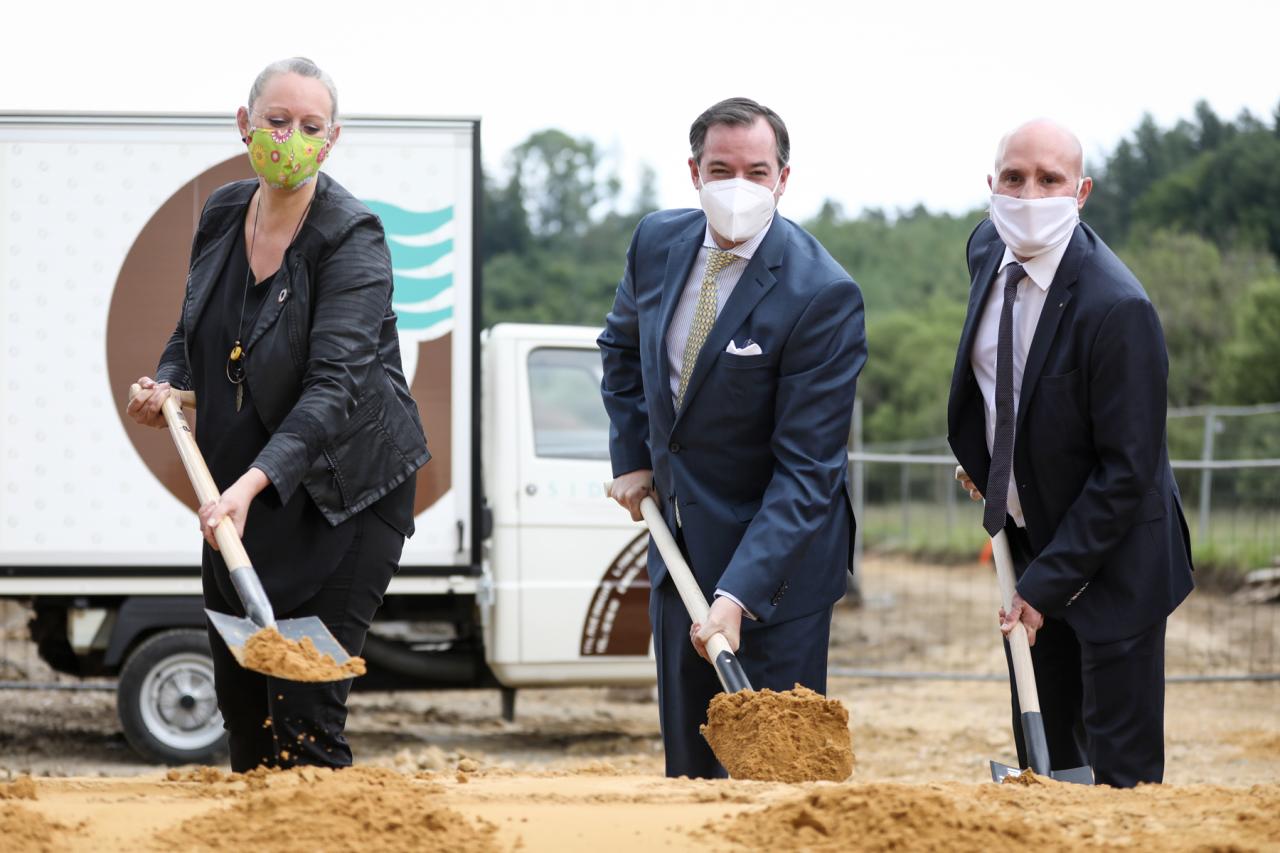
column 746, row 250
column 1042, row 268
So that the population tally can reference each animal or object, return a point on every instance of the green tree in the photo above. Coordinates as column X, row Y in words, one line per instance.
column 1190, row 282
column 505, row 224
column 1251, row 361
column 1228, row 194
column 562, row 182
column 908, row 374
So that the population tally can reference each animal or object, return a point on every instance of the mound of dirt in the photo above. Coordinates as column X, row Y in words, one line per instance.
column 24, row 829
column 793, row 736
column 22, row 788
column 268, row 651
column 309, row 808
column 1037, row 814
column 885, row 817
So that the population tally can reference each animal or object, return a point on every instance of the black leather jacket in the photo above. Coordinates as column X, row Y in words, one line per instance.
column 323, row 363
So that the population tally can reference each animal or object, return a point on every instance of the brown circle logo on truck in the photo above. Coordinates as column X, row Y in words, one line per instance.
column 617, row 622
column 145, row 306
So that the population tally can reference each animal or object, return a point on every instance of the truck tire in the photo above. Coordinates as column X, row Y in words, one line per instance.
column 165, row 699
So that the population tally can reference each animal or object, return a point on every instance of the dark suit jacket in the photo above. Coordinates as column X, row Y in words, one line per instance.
column 756, row 457
column 1102, row 509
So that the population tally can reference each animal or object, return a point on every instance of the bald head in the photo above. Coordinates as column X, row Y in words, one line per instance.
column 1038, row 159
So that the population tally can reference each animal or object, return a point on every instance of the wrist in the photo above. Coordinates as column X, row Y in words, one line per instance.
column 253, row 482
column 727, row 606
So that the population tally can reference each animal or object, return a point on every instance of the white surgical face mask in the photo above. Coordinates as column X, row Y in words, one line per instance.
column 1032, row 226
column 737, row 208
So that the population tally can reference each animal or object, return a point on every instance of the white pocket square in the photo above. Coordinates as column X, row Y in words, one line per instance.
column 751, row 348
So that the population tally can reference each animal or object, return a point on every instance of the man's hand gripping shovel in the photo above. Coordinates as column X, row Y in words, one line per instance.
column 1024, row 677
column 732, row 678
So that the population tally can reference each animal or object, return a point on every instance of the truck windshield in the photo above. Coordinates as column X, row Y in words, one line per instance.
column 569, row 420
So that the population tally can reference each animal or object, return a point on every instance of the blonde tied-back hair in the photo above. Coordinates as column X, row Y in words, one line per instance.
column 301, row 66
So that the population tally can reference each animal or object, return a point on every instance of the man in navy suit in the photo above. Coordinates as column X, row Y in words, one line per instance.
column 730, row 360
column 1062, row 371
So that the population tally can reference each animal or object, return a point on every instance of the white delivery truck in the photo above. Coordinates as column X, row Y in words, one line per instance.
column 521, row 573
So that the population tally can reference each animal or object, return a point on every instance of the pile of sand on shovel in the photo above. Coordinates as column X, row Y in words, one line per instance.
column 794, row 736
column 269, row 651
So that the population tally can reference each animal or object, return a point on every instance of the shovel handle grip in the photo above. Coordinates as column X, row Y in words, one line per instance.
column 186, row 399
column 229, row 544
column 1019, row 648
column 690, row 593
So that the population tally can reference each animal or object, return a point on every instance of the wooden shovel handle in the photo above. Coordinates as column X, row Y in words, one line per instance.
column 229, row 545
column 1019, row 648
column 690, row 592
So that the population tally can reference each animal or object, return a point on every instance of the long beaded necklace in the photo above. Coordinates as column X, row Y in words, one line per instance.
column 235, row 361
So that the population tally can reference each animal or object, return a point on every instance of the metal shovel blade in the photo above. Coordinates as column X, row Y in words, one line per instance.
column 1076, row 775
column 235, row 632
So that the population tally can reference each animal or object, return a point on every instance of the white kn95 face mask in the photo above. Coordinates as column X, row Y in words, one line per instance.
column 737, row 208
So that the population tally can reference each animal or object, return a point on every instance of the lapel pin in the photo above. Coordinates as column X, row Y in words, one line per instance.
column 284, row 294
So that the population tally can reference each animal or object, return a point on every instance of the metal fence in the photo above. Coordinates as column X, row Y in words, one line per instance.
column 928, row 596
column 927, row 602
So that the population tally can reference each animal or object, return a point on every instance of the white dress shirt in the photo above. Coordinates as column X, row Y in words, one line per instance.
column 1031, row 294
column 726, row 281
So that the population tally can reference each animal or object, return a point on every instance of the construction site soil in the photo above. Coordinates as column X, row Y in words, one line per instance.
column 580, row 769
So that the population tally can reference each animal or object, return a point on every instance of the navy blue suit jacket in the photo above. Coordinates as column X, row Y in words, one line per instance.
column 756, row 457
column 1102, row 509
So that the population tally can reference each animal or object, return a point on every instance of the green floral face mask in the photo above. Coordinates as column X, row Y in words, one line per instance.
column 286, row 158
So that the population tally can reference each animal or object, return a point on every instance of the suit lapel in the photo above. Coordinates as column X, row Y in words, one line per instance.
column 1055, row 305
column 680, row 260
column 978, row 292
column 757, row 279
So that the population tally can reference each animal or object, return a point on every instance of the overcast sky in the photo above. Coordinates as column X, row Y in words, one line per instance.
column 889, row 104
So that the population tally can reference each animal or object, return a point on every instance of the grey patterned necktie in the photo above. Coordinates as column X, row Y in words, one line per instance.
column 997, row 491
column 703, row 318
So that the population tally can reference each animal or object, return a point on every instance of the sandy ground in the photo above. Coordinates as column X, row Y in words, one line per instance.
column 580, row 769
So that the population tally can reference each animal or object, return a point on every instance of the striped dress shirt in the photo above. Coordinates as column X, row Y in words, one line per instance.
column 678, row 332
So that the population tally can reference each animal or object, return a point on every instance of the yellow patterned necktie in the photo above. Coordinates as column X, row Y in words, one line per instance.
column 703, row 318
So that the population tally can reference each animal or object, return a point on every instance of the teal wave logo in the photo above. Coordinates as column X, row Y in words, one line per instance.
column 422, row 267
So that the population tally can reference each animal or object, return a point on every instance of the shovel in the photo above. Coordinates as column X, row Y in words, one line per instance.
column 1024, row 677
column 235, row 630
column 732, row 678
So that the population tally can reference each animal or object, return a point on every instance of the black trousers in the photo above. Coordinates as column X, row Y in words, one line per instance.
column 773, row 656
column 280, row 723
column 1102, row 703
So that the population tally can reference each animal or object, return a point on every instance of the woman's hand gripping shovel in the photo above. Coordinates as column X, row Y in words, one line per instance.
column 236, row 631
column 1024, row 676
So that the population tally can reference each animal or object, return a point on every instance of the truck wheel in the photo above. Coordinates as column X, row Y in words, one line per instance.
column 166, row 702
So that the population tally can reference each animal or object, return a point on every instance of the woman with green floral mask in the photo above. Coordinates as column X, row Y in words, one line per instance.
column 305, row 419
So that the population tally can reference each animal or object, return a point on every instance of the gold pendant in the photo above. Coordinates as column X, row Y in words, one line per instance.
column 239, row 396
